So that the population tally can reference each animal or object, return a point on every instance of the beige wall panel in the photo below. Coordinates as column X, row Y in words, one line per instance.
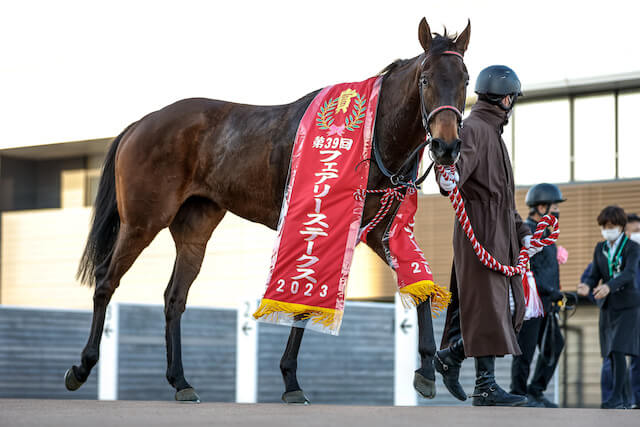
column 370, row 278
column 41, row 250
column 40, row 253
column 73, row 188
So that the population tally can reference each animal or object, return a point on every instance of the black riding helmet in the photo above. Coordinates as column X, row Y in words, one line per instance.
column 543, row 194
column 497, row 81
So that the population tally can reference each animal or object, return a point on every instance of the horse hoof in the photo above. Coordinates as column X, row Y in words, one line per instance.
column 187, row 395
column 70, row 381
column 295, row 398
column 424, row 386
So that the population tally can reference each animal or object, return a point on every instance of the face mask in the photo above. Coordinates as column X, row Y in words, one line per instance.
column 635, row 237
column 611, row 234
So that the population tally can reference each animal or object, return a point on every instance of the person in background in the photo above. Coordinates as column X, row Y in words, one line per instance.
column 542, row 199
column 612, row 284
column 633, row 232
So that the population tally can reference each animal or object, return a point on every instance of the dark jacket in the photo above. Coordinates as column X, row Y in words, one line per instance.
column 486, row 184
column 624, row 293
column 619, row 324
column 546, row 271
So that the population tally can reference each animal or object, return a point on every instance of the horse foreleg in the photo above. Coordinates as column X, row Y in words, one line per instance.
column 289, row 366
column 424, row 380
column 424, row 377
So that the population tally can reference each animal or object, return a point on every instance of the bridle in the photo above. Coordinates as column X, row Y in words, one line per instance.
column 406, row 180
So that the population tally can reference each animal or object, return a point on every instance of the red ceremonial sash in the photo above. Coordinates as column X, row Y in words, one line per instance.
column 320, row 218
column 414, row 276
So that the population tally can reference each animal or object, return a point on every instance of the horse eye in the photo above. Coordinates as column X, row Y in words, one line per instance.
column 466, row 83
column 424, row 81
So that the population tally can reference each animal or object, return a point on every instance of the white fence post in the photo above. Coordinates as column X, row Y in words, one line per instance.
column 108, row 364
column 406, row 354
column 247, row 354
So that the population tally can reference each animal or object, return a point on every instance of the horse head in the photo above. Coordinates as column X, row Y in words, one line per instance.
column 442, row 86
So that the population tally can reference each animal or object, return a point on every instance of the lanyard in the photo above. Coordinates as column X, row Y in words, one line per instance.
column 613, row 259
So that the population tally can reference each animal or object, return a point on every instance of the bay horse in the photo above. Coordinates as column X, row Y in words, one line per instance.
column 187, row 164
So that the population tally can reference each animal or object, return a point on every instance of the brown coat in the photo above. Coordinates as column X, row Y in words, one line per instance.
column 486, row 184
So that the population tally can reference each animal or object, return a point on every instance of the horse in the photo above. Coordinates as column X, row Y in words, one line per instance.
column 187, row 164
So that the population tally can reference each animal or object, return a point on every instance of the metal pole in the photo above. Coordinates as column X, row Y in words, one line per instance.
column 572, row 151
column 615, row 109
column 108, row 366
column 565, row 362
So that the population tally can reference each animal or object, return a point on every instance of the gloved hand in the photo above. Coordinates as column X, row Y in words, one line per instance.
column 448, row 185
column 556, row 295
column 531, row 250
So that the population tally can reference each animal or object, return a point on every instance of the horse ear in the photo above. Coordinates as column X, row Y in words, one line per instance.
column 424, row 34
column 462, row 42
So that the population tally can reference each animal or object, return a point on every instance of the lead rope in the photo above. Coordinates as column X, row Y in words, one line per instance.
column 485, row 257
column 389, row 195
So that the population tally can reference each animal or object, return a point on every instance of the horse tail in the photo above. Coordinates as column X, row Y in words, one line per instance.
column 105, row 221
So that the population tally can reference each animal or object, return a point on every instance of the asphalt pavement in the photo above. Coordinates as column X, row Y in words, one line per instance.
column 43, row 413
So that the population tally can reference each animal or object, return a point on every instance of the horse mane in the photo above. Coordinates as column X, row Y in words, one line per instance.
column 394, row 65
column 439, row 44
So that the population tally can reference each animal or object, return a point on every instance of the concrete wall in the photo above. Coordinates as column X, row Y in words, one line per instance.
column 355, row 367
column 18, row 183
column 208, row 353
column 37, row 347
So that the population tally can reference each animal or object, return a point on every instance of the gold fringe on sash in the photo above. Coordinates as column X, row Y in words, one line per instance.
column 421, row 291
column 277, row 311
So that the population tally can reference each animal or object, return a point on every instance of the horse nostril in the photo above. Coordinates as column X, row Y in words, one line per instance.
column 437, row 147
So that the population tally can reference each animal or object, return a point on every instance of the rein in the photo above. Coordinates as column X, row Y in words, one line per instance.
column 485, row 257
column 399, row 180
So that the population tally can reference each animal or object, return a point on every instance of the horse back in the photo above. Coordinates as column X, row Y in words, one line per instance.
column 236, row 155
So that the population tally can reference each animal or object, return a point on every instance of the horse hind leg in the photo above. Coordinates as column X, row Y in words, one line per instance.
column 191, row 229
column 128, row 246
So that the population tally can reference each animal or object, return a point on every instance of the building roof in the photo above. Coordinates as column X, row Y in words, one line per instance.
column 585, row 86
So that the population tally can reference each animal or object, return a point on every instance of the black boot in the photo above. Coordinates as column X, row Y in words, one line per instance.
column 448, row 363
column 487, row 392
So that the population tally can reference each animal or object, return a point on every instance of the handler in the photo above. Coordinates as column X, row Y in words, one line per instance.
column 487, row 307
column 542, row 199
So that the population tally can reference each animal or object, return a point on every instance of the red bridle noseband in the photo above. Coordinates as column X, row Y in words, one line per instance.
column 427, row 116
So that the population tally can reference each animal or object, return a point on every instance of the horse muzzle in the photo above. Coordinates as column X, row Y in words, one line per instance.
column 445, row 153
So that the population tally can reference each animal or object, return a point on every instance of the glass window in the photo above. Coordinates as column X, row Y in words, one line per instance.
column 594, row 137
column 542, row 142
column 628, row 137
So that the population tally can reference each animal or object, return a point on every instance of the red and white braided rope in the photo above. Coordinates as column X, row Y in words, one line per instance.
column 389, row 195
column 485, row 257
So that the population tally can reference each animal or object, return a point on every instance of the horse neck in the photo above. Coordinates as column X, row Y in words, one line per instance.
column 399, row 124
